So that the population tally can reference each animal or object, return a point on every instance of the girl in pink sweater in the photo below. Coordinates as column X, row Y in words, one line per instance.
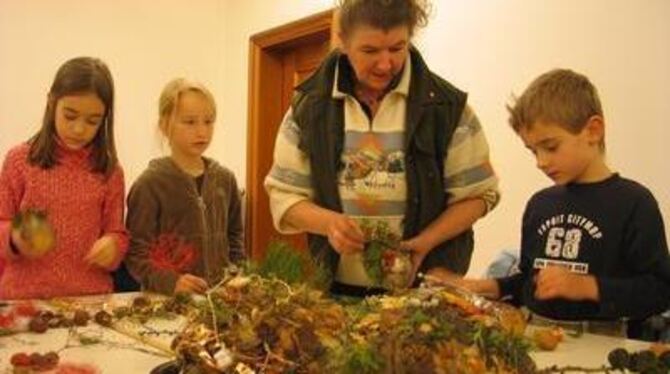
column 70, row 173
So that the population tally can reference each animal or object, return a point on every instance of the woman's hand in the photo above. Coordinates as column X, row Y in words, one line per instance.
column 345, row 235
column 190, row 284
column 419, row 251
column 103, row 253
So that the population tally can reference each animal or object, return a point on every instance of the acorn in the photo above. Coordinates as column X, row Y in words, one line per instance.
column 642, row 361
column 51, row 359
column 20, row 359
column 103, row 318
column 36, row 359
column 38, row 325
column 81, row 317
column 618, row 358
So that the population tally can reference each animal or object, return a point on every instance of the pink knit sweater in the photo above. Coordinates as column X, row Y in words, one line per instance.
column 81, row 206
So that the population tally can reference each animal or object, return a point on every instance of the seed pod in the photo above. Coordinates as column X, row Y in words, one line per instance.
column 20, row 359
column 618, row 358
column 81, row 317
column 103, row 318
column 38, row 325
column 51, row 359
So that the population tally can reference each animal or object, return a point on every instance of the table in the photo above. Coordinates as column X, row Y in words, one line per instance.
column 114, row 353
column 117, row 353
column 587, row 351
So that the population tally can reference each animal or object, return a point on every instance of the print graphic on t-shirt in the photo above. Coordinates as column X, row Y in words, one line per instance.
column 372, row 181
column 370, row 164
column 575, row 267
column 563, row 235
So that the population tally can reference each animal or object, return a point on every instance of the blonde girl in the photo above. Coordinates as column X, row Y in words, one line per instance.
column 184, row 210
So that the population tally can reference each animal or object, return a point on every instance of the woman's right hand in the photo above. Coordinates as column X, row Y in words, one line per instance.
column 191, row 284
column 344, row 234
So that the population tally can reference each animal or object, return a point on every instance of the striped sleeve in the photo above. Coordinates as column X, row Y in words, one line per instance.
column 467, row 168
column 288, row 181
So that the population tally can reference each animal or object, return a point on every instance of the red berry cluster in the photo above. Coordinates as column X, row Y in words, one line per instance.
column 8, row 317
column 47, row 319
column 35, row 361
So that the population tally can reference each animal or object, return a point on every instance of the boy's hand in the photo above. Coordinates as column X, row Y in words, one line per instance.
column 103, row 253
column 345, row 235
column 558, row 282
column 190, row 284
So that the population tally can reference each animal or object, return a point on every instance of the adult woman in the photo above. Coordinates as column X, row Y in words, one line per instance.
column 374, row 134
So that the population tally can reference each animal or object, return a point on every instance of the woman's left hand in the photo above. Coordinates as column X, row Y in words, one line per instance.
column 419, row 252
column 103, row 253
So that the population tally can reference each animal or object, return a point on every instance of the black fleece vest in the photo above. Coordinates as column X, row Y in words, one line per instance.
column 434, row 108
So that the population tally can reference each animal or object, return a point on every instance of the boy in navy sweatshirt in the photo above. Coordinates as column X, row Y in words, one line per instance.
column 593, row 245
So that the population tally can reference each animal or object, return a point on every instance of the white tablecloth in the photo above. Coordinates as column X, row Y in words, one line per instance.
column 118, row 353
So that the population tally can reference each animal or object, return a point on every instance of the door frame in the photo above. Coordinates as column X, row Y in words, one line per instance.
column 265, row 72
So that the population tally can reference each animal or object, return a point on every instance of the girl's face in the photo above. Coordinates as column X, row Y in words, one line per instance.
column 78, row 119
column 190, row 129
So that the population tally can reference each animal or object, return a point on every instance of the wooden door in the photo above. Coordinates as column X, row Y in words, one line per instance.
column 279, row 60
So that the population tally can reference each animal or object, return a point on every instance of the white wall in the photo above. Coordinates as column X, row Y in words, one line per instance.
column 489, row 48
column 492, row 48
column 145, row 44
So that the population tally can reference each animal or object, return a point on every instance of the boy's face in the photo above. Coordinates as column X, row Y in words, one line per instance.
column 190, row 129
column 377, row 56
column 563, row 156
column 78, row 118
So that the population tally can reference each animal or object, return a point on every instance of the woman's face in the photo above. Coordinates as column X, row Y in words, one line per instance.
column 376, row 55
column 78, row 119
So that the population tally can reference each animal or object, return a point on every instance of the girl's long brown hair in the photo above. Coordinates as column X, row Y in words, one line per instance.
column 78, row 76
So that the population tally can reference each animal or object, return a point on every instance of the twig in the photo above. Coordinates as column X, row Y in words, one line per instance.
column 574, row 369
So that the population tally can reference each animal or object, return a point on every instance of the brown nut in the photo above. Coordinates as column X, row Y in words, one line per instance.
column 38, row 325
column 547, row 339
column 81, row 317
column 103, row 318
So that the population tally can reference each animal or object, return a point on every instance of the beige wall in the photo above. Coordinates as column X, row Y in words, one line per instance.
column 489, row 48
column 493, row 48
column 144, row 42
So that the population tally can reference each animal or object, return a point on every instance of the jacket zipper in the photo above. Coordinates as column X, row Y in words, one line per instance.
column 205, row 227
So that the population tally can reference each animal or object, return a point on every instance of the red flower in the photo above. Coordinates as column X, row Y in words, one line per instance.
column 169, row 252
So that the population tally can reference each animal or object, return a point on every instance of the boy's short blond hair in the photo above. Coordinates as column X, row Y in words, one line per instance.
column 560, row 97
column 167, row 103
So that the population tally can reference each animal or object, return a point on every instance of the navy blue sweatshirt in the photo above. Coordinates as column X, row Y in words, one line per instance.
column 612, row 230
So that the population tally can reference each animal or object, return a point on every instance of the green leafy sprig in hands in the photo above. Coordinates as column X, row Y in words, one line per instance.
column 385, row 262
